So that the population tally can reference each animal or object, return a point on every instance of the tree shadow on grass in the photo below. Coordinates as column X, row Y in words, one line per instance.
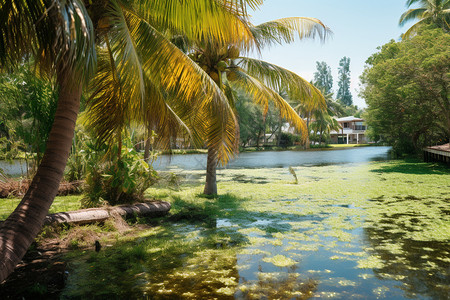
column 414, row 166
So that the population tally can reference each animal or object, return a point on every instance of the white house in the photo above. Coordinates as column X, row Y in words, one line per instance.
column 353, row 131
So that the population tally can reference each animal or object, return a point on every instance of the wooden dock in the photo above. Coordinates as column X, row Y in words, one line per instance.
column 437, row 153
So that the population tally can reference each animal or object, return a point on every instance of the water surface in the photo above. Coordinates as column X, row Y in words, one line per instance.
column 278, row 159
column 356, row 226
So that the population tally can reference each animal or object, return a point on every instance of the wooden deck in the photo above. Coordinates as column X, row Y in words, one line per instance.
column 439, row 153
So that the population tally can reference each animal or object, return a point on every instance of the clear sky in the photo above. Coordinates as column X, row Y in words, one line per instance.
column 359, row 27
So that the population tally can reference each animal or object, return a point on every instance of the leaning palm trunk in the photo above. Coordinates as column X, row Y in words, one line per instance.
column 211, row 168
column 22, row 226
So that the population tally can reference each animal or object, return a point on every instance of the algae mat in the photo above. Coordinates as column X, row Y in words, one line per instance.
column 377, row 230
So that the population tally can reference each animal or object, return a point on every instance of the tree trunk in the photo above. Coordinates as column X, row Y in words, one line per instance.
column 147, row 149
column 307, row 144
column 22, row 226
column 211, row 167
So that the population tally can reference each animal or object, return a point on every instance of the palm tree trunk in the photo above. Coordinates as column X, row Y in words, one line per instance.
column 22, row 226
column 148, row 144
column 211, row 168
column 307, row 144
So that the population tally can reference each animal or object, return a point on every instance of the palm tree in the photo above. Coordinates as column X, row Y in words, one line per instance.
column 30, row 28
column 135, row 59
column 429, row 12
column 259, row 79
column 322, row 124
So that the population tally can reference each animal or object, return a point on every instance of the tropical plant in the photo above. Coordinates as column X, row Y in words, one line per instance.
column 435, row 12
column 137, row 65
column 254, row 124
column 322, row 125
column 228, row 66
column 28, row 106
column 116, row 181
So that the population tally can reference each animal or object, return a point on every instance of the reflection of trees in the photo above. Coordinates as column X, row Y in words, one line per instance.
column 279, row 285
column 423, row 266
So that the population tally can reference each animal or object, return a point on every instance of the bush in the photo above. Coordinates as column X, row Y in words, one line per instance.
column 289, row 139
column 122, row 179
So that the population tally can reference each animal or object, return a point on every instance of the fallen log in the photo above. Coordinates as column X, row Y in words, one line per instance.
column 90, row 215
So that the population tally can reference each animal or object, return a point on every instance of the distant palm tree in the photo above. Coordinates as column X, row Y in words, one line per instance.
column 259, row 79
column 135, row 61
column 429, row 12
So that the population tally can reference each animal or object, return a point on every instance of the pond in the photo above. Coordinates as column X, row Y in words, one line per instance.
column 14, row 168
column 278, row 159
column 360, row 228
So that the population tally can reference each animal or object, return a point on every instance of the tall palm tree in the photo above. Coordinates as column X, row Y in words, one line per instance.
column 429, row 12
column 259, row 79
column 60, row 37
column 135, row 59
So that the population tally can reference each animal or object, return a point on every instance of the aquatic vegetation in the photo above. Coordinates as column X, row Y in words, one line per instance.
column 343, row 231
column 280, row 261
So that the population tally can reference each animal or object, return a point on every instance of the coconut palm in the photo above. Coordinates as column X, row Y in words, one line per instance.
column 228, row 66
column 323, row 124
column 60, row 37
column 429, row 12
column 135, row 60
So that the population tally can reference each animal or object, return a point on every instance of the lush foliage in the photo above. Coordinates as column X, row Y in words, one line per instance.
column 344, row 94
column 254, row 125
column 406, row 88
column 27, row 107
column 116, row 178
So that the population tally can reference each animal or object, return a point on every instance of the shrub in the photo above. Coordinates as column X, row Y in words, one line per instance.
column 122, row 179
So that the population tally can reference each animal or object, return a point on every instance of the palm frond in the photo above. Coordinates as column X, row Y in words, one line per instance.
column 188, row 92
column 279, row 79
column 200, row 19
column 413, row 29
column 411, row 14
column 262, row 95
column 57, row 34
column 285, row 30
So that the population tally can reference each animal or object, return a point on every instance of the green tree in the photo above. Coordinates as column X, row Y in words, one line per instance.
column 28, row 106
column 406, row 87
column 435, row 12
column 254, row 125
column 61, row 36
column 323, row 78
column 344, row 93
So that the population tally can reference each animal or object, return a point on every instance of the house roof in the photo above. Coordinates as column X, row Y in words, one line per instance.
column 349, row 119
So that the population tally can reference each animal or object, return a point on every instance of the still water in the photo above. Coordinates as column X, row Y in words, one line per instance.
column 355, row 226
column 13, row 168
column 278, row 159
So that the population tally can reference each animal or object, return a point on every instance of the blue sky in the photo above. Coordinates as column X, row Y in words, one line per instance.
column 359, row 27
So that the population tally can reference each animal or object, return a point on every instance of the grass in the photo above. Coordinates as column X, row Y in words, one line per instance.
column 60, row 204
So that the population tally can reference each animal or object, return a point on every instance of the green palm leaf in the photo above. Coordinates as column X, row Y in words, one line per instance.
column 279, row 79
column 262, row 95
column 286, row 30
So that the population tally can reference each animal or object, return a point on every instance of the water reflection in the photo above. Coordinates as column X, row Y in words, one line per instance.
column 422, row 266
